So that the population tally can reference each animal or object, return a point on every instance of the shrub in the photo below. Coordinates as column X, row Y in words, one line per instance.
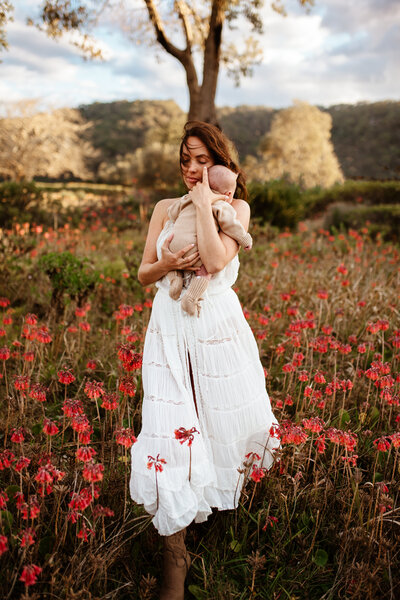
column 68, row 274
column 20, row 202
column 352, row 192
column 383, row 219
column 277, row 202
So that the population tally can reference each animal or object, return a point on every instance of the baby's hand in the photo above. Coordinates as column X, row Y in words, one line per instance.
column 229, row 197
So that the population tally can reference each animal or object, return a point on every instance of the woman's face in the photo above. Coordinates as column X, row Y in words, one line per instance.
column 195, row 156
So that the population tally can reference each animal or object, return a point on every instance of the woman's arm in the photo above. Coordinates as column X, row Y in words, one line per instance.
column 216, row 248
column 151, row 269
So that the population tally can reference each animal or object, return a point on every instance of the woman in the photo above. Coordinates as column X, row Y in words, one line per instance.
column 203, row 381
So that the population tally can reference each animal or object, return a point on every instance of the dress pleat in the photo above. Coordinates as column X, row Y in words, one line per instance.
column 233, row 415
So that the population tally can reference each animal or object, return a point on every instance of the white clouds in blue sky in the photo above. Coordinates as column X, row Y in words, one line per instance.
column 338, row 52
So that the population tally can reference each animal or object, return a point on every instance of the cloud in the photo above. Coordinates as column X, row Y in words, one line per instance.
column 337, row 52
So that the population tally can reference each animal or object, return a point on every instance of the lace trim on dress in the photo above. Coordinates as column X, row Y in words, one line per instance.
column 155, row 399
column 155, row 364
column 228, row 375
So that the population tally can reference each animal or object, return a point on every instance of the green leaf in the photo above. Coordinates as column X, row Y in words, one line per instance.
column 374, row 415
column 11, row 491
column 344, row 417
column 235, row 546
column 197, row 592
column 320, row 557
column 36, row 428
column 6, row 519
column 46, row 545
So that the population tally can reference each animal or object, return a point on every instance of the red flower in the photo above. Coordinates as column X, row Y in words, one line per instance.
column 94, row 389
column 22, row 463
column 65, row 377
column 84, row 532
column 85, row 453
column 322, row 294
column 315, row 424
column 126, row 310
column 50, row 427
column 185, row 435
column 80, row 423
column 93, row 472
column 29, row 574
column 28, row 537
column 38, row 392
column 80, row 312
column 43, row 336
column 91, row 364
column 257, row 473
column 21, row 382
column 110, row 401
column 4, row 353
column 382, row 443
column 157, row 462
column 84, row 325
column 3, row 544
column 303, row 376
column 125, row 437
column 3, row 500
column 270, row 521
column 4, row 302
column 31, row 319
column 127, row 386
column 6, row 459
column 18, row 435
column 72, row 407
column 7, row 321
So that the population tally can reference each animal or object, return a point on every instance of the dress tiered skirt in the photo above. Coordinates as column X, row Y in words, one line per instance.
column 232, row 414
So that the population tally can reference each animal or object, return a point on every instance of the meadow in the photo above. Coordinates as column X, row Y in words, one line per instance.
column 322, row 523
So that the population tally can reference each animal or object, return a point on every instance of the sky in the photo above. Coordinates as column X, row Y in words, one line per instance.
column 338, row 52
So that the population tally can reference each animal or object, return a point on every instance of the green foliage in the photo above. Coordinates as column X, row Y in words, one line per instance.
column 383, row 219
column 68, row 274
column 356, row 192
column 276, row 202
column 20, row 202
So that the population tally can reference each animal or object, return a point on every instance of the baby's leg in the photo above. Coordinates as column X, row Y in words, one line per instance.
column 202, row 272
column 175, row 283
column 191, row 300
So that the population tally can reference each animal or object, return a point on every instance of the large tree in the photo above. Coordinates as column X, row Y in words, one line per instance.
column 190, row 31
column 298, row 146
column 42, row 144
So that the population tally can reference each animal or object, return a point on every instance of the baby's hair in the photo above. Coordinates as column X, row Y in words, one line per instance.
column 221, row 179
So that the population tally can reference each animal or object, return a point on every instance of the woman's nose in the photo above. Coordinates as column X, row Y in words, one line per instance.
column 192, row 166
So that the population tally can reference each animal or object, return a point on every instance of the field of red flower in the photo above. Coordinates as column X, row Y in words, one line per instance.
column 323, row 523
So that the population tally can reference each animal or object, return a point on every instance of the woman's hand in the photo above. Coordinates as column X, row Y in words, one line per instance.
column 174, row 260
column 201, row 194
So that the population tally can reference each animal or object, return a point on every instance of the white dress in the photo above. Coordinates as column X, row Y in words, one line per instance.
column 234, row 411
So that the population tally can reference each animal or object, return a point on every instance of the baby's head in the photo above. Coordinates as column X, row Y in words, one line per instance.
column 222, row 180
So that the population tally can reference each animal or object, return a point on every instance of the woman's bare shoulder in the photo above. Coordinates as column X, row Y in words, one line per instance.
column 162, row 207
column 241, row 205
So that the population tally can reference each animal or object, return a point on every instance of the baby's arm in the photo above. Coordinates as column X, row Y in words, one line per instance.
column 226, row 217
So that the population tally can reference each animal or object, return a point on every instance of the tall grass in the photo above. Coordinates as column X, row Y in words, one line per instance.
column 324, row 522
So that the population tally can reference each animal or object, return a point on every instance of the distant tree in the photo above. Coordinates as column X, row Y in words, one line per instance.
column 298, row 146
column 198, row 26
column 42, row 144
column 153, row 166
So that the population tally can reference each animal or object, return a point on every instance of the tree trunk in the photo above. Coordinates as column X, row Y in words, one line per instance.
column 202, row 100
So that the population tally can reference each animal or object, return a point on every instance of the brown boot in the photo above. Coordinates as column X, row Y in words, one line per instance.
column 176, row 565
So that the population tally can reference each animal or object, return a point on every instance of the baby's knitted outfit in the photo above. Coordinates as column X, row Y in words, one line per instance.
column 183, row 213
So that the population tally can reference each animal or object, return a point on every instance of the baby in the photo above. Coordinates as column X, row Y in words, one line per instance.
column 183, row 213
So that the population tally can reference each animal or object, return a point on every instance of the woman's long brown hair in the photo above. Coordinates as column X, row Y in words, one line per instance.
column 218, row 145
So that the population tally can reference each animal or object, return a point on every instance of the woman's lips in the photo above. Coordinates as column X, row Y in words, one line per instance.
column 191, row 180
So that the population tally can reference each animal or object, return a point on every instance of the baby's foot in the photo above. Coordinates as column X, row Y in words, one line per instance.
column 175, row 287
column 191, row 305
